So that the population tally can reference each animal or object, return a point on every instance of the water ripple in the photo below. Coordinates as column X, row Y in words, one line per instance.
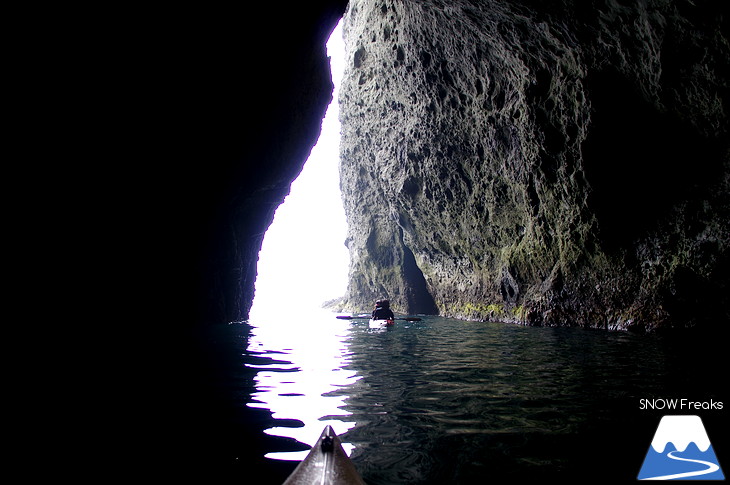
column 445, row 401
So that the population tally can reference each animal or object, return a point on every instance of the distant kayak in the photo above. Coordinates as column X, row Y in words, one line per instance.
column 381, row 323
column 326, row 464
column 366, row 317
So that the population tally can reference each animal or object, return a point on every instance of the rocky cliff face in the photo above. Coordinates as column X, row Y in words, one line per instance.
column 557, row 163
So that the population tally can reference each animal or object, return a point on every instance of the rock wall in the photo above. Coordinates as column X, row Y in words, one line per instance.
column 555, row 163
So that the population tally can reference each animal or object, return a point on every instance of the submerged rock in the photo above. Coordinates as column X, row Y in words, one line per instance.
column 549, row 163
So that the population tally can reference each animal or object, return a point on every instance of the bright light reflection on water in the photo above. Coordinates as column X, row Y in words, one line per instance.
column 308, row 353
column 303, row 262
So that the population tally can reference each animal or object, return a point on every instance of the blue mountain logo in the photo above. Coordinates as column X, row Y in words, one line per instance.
column 680, row 450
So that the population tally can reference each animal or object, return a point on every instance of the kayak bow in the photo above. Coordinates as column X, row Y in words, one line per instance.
column 381, row 323
column 326, row 464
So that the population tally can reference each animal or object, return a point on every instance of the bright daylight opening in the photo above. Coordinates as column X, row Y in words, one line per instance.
column 303, row 260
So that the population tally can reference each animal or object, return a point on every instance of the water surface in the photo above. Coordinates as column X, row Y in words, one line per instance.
column 447, row 401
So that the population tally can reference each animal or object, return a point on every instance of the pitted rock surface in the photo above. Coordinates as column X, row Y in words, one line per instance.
column 558, row 163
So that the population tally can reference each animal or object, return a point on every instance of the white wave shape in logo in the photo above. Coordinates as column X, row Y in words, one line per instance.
column 680, row 430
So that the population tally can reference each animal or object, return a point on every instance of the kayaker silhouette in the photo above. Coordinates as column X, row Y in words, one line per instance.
column 382, row 310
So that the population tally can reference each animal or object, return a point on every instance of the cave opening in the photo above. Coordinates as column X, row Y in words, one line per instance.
column 418, row 297
column 303, row 261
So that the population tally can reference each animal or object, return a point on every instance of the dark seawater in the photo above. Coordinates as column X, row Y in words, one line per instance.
column 447, row 401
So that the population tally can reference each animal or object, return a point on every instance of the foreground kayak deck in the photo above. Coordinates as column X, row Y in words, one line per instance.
column 326, row 464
